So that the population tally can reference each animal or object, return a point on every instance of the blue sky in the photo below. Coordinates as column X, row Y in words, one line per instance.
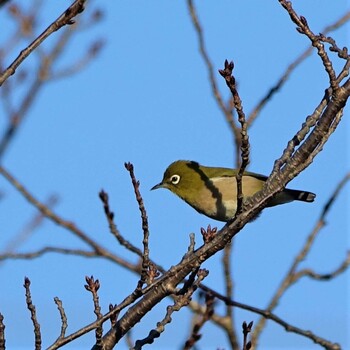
column 147, row 99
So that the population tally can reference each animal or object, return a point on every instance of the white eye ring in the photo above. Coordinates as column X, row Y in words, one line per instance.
column 175, row 179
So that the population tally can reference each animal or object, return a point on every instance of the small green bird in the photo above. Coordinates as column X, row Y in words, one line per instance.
column 213, row 191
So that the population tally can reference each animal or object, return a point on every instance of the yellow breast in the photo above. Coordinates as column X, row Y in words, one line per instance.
column 218, row 197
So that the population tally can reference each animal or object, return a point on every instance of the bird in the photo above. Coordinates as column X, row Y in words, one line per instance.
column 212, row 191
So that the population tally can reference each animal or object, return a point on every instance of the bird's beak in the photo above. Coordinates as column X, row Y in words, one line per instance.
column 160, row 185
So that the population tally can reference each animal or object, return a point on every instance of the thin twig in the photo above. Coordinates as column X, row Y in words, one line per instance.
column 77, row 252
column 145, row 254
column 316, row 41
column 65, row 19
column 93, row 286
column 325, row 276
column 273, row 317
column 113, row 227
column 64, row 322
column 31, row 308
column 111, row 315
column 230, row 80
column 289, row 70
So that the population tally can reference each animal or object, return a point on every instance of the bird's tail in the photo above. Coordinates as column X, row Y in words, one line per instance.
column 303, row 196
column 288, row 195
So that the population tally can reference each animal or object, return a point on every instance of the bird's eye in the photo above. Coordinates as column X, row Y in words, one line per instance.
column 175, row 179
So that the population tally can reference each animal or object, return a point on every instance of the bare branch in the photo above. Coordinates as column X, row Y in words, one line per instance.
column 325, row 276
column 289, row 70
column 65, row 19
column 145, row 254
column 113, row 228
column 230, row 80
column 316, row 41
column 93, row 286
column 273, row 317
column 111, row 315
column 64, row 322
column 31, row 308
